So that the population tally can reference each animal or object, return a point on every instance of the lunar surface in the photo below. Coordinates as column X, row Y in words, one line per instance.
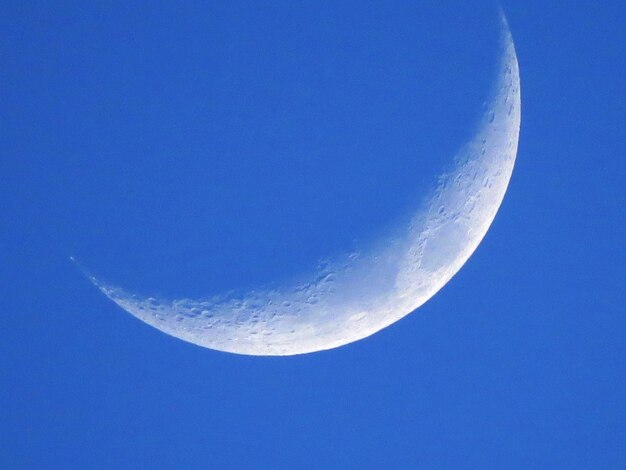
column 354, row 296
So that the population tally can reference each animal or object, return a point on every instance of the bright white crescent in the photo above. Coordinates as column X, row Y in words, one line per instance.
column 351, row 298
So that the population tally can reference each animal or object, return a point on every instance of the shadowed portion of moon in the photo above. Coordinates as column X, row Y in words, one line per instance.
column 356, row 295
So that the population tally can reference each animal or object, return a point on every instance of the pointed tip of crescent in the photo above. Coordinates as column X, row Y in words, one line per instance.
column 85, row 272
column 507, row 37
column 79, row 266
column 502, row 16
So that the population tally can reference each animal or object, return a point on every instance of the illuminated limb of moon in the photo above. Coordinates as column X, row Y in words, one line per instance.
column 354, row 297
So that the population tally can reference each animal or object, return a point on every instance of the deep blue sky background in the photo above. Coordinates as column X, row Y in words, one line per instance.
column 186, row 149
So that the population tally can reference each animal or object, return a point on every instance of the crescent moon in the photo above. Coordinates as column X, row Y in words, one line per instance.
column 357, row 295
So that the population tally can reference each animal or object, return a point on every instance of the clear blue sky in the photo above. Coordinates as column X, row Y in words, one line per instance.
column 193, row 147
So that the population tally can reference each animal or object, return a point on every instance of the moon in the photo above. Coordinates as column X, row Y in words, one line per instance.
column 356, row 295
